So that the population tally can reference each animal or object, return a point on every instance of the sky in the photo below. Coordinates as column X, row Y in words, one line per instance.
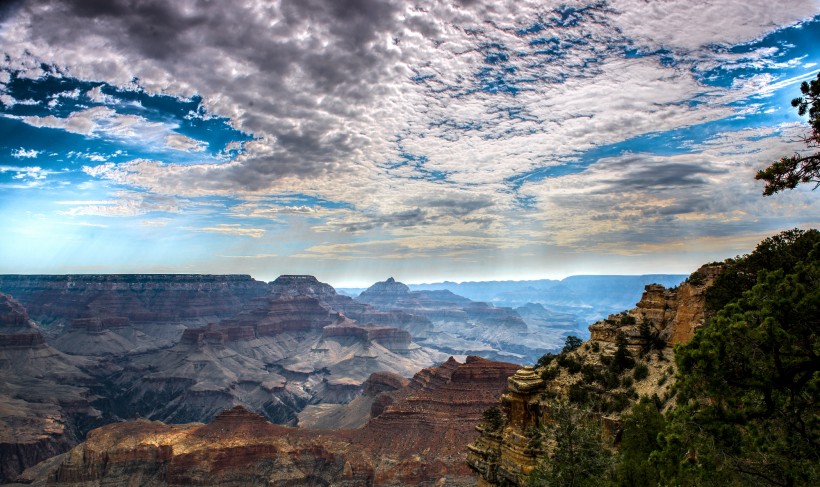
column 425, row 140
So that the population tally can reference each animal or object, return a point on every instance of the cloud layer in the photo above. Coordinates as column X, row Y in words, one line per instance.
column 413, row 130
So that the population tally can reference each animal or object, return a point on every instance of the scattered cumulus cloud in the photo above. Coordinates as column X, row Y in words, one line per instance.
column 22, row 153
column 444, row 128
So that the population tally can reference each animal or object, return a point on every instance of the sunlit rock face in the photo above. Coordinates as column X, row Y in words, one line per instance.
column 661, row 319
column 44, row 394
column 417, row 438
column 674, row 314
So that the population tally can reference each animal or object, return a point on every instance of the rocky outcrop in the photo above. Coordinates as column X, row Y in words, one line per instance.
column 302, row 285
column 236, row 448
column 355, row 414
column 504, row 457
column 505, row 452
column 672, row 315
column 435, row 414
column 420, row 434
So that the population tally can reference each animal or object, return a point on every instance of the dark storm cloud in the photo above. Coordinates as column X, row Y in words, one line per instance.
column 459, row 207
column 408, row 218
column 648, row 177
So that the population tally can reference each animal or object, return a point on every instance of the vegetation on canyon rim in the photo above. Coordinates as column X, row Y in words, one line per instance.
column 744, row 407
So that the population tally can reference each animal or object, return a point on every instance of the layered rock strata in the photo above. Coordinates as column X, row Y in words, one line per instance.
column 415, row 440
column 673, row 314
column 45, row 402
column 462, row 326
column 59, row 299
column 504, row 453
column 284, row 351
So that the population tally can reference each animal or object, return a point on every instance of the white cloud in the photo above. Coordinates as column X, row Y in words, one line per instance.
column 103, row 122
column 28, row 172
column 97, row 96
column 183, row 143
column 123, row 204
column 231, row 229
column 393, row 107
column 22, row 153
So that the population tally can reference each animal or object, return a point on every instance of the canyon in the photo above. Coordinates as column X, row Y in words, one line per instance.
column 415, row 436
column 82, row 351
column 509, row 451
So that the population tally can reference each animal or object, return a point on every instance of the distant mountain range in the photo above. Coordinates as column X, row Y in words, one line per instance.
column 588, row 298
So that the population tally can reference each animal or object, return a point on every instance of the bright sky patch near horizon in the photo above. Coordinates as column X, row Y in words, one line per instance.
column 360, row 139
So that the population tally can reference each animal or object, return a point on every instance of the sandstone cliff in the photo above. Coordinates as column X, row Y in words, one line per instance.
column 417, row 439
column 506, row 452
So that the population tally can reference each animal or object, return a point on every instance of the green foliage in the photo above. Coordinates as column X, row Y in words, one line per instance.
column 748, row 389
column 545, row 360
column 571, row 344
column 579, row 458
column 696, row 278
column 549, row 373
column 493, row 419
column 622, row 360
column 782, row 251
column 640, row 372
column 790, row 171
column 638, row 440
column 746, row 409
column 578, row 394
column 568, row 362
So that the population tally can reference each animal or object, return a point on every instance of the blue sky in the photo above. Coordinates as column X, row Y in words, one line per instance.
column 461, row 140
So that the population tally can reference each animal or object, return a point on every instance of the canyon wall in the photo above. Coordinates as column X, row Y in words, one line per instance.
column 508, row 451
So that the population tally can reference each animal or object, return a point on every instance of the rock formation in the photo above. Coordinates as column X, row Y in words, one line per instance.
column 356, row 413
column 45, row 402
column 285, row 350
column 141, row 298
column 462, row 326
column 674, row 314
column 504, row 453
column 415, row 440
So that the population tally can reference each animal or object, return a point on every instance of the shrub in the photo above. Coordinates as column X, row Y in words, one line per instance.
column 549, row 373
column 640, row 372
column 571, row 344
column 622, row 360
column 493, row 419
column 572, row 365
column 578, row 394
